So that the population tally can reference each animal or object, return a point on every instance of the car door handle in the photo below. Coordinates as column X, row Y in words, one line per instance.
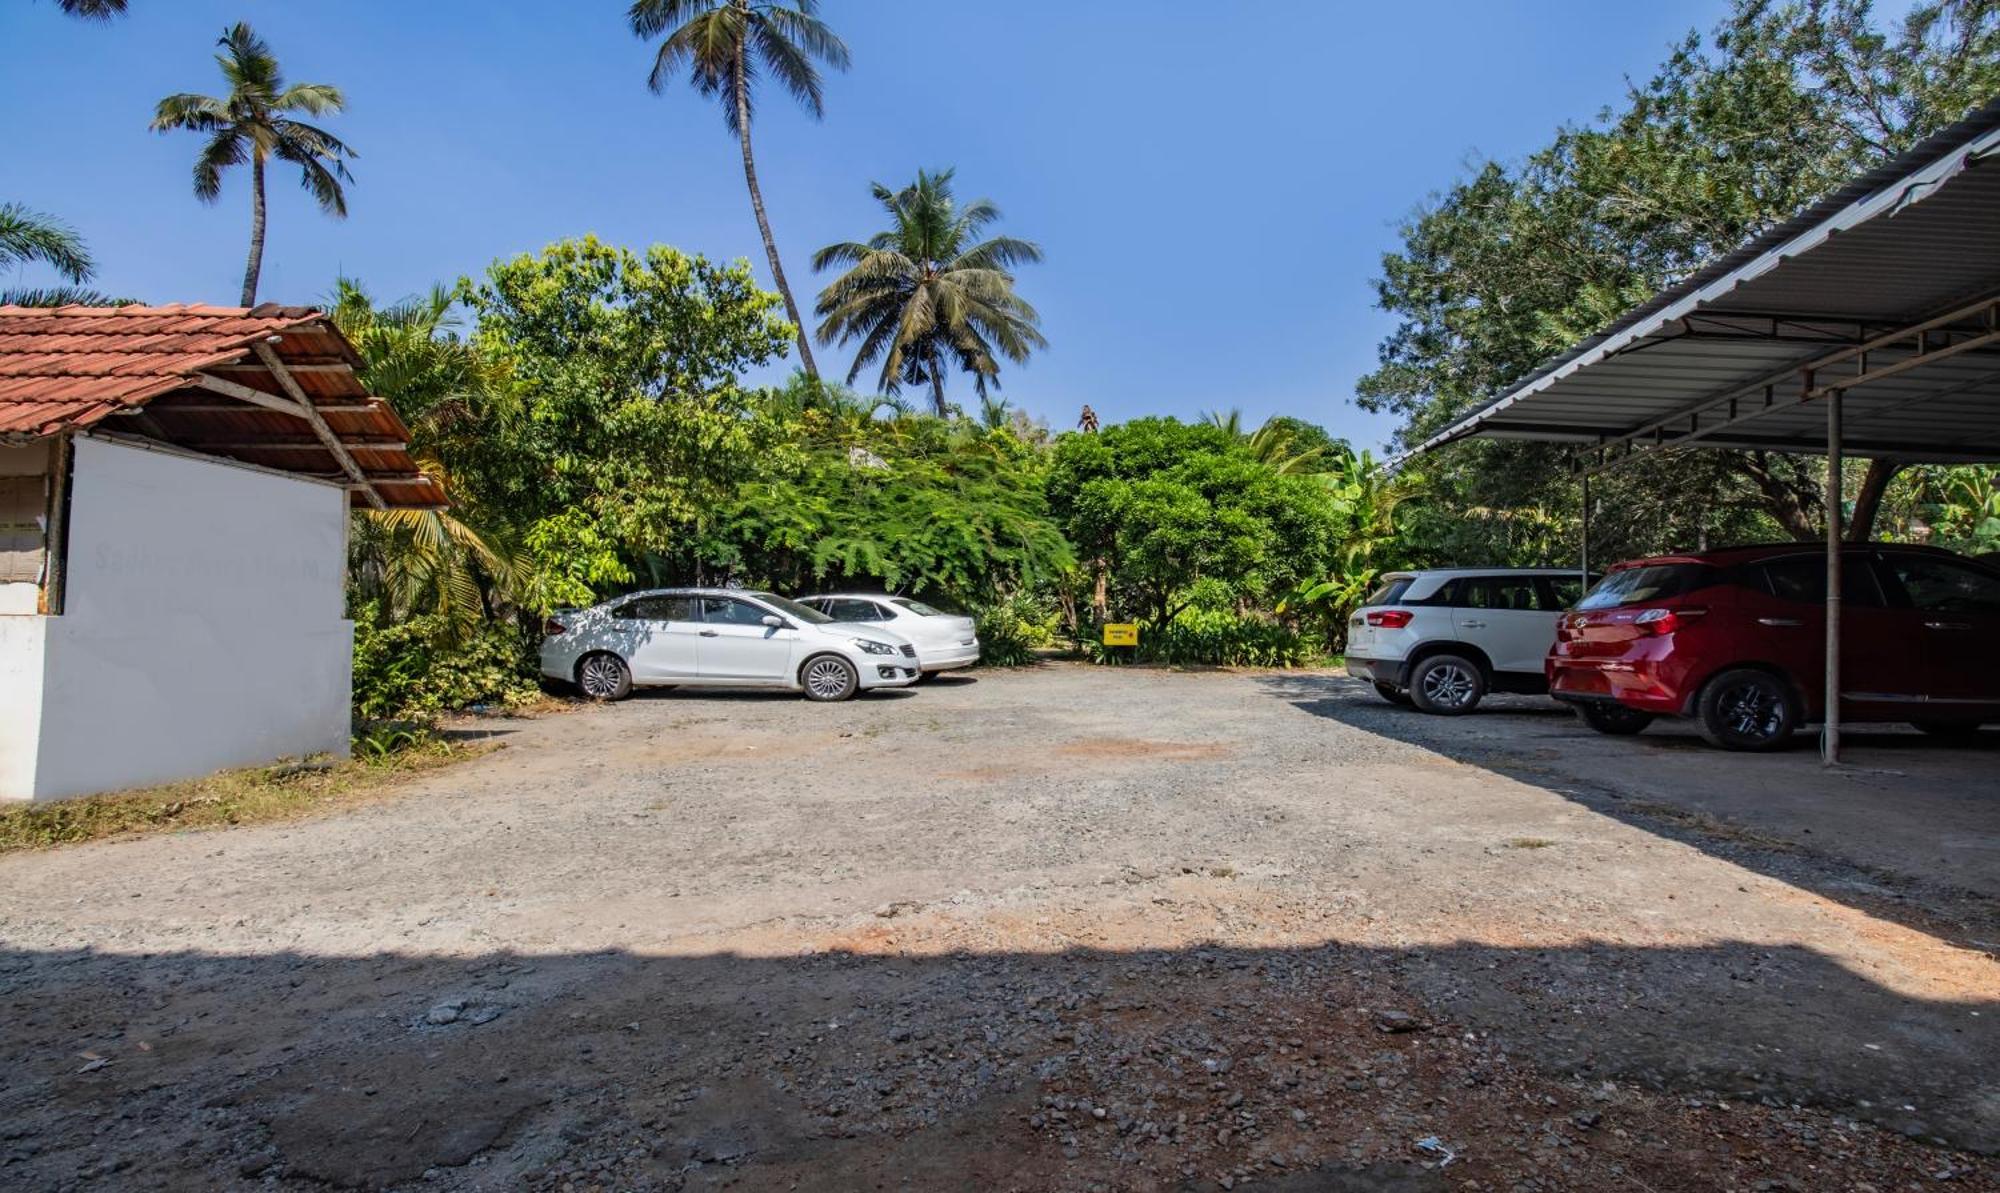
column 709, row 634
column 1780, row 621
column 1947, row 625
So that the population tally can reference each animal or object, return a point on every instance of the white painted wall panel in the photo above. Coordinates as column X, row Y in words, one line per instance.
column 20, row 703
column 202, row 626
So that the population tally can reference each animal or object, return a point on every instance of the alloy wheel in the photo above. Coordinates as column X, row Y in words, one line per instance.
column 1752, row 711
column 1448, row 685
column 827, row 679
column 601, row 677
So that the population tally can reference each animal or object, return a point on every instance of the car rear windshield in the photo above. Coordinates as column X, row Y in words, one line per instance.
column 917, row 607
column 1389, row 592
column 1656, row 582
column 805, row 613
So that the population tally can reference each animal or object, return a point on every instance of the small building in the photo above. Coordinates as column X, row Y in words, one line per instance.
column 175, row 484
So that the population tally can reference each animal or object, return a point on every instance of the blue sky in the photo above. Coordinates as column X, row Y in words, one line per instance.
column 1213, row 184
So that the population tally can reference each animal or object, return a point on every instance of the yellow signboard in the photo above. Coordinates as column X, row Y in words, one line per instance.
column 1121, row 633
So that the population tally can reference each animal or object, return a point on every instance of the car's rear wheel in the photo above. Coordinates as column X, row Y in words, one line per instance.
column 1447, row 684
column 1392, row 693
column 1953, row 730
column 829, row 677
column 1746, row 709
column 604, row 677
column 1614, row 719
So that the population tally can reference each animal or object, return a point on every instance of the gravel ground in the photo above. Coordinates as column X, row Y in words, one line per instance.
column 1066, row 928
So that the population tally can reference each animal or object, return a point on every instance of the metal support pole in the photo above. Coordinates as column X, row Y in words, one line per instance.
column 1829, row 744
column 1583, row 554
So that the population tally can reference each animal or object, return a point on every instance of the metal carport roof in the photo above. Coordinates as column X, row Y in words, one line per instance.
column 1888, row 290
column 1867, row 324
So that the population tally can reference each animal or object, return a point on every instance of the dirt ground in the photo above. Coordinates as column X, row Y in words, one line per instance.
column 1066, row 928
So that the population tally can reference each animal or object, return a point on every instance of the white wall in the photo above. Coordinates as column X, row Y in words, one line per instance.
column 20, row 703
column 202, row 626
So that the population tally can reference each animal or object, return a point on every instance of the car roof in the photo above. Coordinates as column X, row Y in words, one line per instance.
column 1417, row 573
column 1754, row 552
column 720, row 592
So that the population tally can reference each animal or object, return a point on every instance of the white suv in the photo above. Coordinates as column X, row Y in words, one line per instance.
column 1442, row 639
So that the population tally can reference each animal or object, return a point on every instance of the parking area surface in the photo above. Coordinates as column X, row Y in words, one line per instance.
column 1058, row 928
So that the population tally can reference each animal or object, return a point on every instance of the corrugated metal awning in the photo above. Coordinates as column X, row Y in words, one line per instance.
column 1888, row 290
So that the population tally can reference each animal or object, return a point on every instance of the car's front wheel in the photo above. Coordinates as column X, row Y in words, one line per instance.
column 604, row 677
column 1614, row 719
column 829, row 677
column 1746, row 709
column 1392, row 693
column 1447, row 684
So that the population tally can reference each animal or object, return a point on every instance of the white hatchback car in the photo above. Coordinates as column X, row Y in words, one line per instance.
column 945, row 641
column 1441, row 639
column 725, row 638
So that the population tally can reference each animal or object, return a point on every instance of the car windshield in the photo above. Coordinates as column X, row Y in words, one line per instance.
column 917, row 607
column 1655, row 582
column 790, row 608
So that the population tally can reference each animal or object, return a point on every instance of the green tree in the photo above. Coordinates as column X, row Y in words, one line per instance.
column 725, row 45
column 29, row 237
column 1167, row 506
column 1732, row 135
column 632, row 420
column 254, row 123
column 927, row 290
column 407, row 563
column 93, row 10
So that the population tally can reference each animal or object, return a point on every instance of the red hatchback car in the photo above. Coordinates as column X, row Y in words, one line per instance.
column 1736, row 640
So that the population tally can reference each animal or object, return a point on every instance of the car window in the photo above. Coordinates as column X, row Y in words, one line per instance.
column 1939, row 585
column 660, row 608
column 1497, row 592
column 810, row 614
column 1560, row 592
column 1389, row 592
column 1802, row 578
column 1657, row 582
column 851, row 609
column 729, row 611
column 917, row 607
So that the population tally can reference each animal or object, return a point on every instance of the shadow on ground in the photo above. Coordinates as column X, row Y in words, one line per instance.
column 1908, row 830
column 1586, row 1067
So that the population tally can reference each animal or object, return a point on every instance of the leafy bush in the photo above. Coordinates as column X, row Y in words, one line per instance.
column 1012, row 631
column 421, row 667
column 1221, row 638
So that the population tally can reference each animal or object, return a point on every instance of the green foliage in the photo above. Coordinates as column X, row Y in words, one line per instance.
column 1011, row 631
column 1160, row 505
column 928, row 292
column 942, row 509
column 1217, row 637
column 631, row 419
column 423, row 666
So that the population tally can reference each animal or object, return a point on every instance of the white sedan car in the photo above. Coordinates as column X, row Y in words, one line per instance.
column 945, row 641
column 724, row 638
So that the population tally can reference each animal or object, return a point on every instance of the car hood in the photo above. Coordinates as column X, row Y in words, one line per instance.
column 848, row 629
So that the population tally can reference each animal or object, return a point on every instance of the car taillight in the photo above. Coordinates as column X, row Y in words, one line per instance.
column 1661, row 622
column 551, row 627
column 1388, row 619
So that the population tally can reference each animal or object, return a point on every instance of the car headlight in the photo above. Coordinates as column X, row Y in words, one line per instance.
column 874, row 647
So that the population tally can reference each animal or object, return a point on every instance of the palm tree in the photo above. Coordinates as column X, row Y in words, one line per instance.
column 1273, row 443
column 725, row 44
column 252, row 125
column 428, row 561
column 927, row 289
column 28, row 236
column 93, row 10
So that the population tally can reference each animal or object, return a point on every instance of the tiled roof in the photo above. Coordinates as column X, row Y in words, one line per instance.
column 70, row 368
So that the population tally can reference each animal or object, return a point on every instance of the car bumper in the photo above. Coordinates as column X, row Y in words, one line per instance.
column 886, row 673
column 1632, row 683
column 949, row 658
column 1389, row 671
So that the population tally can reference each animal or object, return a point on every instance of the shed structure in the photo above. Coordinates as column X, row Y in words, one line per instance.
column 175, row 486
column 1868, row 325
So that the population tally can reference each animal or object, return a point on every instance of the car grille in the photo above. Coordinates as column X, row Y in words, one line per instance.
column 909, row 652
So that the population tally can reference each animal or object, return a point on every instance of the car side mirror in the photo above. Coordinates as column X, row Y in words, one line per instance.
column 774, row 621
